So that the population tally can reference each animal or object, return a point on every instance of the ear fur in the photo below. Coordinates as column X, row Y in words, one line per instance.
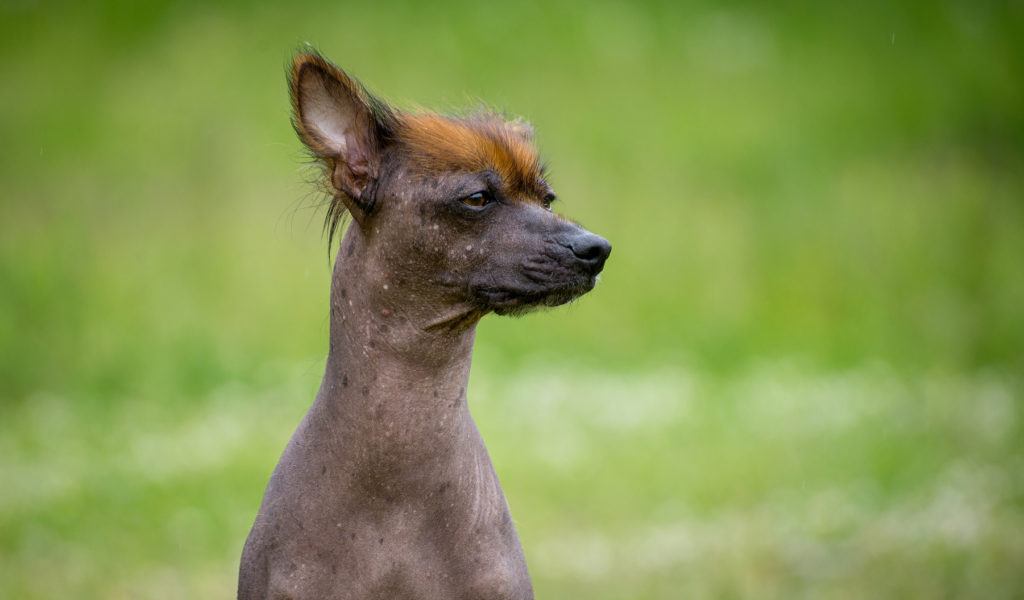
column 344, row 127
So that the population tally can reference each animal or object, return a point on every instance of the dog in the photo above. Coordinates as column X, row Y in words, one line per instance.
column 386, row 489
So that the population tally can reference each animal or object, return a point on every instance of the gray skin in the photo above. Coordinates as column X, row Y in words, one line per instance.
column 386, row 489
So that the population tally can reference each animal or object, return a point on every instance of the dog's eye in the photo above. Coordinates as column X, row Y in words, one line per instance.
column 546, row 202
column 478, row 200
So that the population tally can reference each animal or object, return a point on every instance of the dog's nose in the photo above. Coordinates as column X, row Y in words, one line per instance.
column 590, row 249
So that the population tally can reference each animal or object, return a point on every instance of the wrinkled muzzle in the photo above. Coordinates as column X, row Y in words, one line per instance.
column 549, row 266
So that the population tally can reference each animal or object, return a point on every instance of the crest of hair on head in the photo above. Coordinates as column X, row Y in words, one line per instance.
column 475, row 141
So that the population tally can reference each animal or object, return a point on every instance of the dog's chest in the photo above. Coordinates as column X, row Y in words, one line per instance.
column 399, row 563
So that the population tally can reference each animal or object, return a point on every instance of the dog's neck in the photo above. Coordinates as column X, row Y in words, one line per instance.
column 395, row 381
column 386, row 315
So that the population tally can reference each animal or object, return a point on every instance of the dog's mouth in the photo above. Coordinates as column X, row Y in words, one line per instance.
column 559, row 273
column 519, row 300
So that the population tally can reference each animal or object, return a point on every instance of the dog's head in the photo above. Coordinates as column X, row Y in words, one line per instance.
column 454, row 209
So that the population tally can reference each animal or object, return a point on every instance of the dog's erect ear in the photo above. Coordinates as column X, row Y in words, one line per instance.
column 344, row 126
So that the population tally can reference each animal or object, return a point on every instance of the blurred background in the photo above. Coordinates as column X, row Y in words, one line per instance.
column 800, row 377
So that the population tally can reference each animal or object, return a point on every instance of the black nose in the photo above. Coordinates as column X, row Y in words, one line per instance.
column 590, row 249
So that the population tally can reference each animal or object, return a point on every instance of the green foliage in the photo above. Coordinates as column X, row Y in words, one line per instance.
column 799, row 377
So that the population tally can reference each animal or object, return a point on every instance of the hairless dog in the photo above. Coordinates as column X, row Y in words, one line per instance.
column 386, row 489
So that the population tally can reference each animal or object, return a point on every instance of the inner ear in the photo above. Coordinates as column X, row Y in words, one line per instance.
column 335, row 121
column 342, row 125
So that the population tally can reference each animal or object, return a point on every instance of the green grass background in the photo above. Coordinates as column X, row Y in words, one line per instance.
column 800, row 377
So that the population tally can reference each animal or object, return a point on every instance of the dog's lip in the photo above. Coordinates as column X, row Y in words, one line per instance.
column 506, row 297
column 497, row 296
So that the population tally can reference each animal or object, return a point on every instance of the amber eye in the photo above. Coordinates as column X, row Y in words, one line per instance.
column 478, row 200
